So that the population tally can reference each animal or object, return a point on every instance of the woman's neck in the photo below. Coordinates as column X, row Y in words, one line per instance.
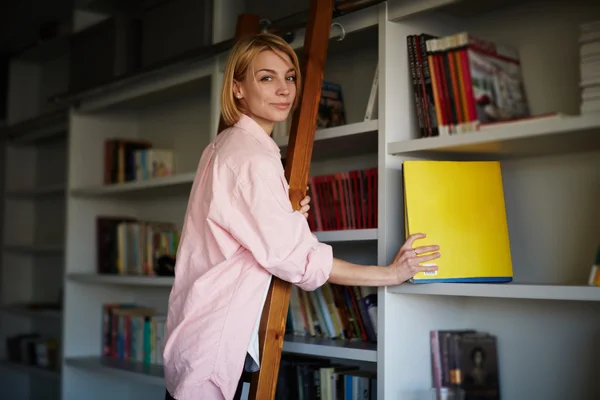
column 266, row 125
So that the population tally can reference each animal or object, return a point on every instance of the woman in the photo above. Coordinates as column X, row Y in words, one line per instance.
column 240, row 229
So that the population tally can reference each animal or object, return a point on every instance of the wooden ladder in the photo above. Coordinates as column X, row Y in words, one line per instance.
column 298, row 159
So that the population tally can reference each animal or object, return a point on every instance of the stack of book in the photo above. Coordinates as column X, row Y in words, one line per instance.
column 589, row 52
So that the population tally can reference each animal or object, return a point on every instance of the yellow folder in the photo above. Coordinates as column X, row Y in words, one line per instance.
column 460, row 206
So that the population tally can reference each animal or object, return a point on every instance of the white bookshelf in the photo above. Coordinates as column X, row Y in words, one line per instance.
column 189, row 114
column 547, row 167
column 546, row 320
column 35, row 146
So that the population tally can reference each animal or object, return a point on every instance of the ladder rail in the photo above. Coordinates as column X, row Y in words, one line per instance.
column 298, row 160
column 263, row 383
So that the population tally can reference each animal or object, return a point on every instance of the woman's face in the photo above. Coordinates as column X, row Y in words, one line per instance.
column 268, row 90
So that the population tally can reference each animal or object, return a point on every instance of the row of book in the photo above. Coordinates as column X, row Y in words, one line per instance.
column 33, row 349
column 343, row 200
column 131, row 332
column 127, row 160
column 466, row 361
column 321, row 379
column 461, row 82
column 127, row 246
column 334, row 312
column 589, row 41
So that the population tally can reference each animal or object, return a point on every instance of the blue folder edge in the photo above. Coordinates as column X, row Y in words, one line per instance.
column 490, row 279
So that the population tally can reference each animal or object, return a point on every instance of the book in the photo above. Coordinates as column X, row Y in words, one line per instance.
column 594, row 279
column 331, row 106
column 460, row 206
column 371, row 113
column 466, row 361
column 589, row 66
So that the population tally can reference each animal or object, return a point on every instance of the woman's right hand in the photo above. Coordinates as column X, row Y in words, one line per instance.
column 407, row 260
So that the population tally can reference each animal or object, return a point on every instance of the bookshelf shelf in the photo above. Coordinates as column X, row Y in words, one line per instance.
column 46, row 190
column 349, row 235
column 161, row 85
column 29, row 131
column 46, row 49
column 347, row 140
column 179, row 183
column 125, row 280
column 536, row 137
column 24, row 311
column 153, row 374
column 30, row 369
column 331, row 348
column 130, row 370
column 506, row 290
column 34, row 250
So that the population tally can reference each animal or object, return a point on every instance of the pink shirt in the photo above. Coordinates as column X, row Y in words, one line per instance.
column 239, row 230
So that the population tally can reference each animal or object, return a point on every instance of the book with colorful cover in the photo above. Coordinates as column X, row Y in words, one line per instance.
column 331, row 106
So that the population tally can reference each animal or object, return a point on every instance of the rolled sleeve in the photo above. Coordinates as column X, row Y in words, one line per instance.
column 278, row 237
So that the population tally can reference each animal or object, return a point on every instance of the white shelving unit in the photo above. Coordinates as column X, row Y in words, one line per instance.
column 546, row 320
column 148, row 111
column 35, row 146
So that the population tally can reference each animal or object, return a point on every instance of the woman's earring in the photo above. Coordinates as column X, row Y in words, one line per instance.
column 239, row 96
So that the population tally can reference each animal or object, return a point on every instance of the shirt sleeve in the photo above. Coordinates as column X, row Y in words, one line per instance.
column 279, row 238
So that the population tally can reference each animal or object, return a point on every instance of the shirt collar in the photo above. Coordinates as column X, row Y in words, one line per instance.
column 251, row 126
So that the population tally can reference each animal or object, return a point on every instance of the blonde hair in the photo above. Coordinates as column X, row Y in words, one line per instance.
column 240, row 58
